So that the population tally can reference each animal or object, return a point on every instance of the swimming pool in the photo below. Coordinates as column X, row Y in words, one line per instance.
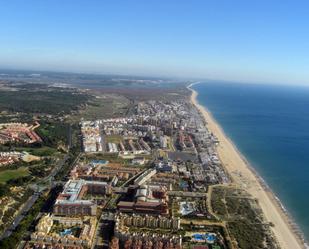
column 208, row 237
column 65, row 232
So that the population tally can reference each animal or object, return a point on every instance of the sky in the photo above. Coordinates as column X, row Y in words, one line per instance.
column 245, row 40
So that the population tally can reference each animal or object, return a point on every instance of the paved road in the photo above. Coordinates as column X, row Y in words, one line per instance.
column 20, row 215
column 101, row 238
column 38, row 188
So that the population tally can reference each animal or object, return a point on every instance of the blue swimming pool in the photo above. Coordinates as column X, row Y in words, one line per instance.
column 198, row 236
column 209, row 237
column 66, row 232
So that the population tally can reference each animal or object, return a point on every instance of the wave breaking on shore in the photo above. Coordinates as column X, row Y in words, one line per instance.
column 286, row 231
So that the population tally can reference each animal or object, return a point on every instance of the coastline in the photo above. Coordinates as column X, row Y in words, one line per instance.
column 285, row 230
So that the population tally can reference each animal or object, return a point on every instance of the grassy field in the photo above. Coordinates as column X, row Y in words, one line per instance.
column 32, row 100
column 103, row 106
column 7, row 175
column 54, row 133
column 243, row 216
column 112, row 158
column 40, row 151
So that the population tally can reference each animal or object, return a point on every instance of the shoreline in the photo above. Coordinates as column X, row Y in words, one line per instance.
column 244, row 175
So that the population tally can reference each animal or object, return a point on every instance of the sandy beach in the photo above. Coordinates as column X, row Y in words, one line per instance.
column 243, row 176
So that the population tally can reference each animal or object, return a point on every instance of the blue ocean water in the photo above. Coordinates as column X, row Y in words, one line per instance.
column 269, row 124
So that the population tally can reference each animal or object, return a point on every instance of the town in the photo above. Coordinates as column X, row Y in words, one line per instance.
column 154, row 124
column 140, row 177
column 118, row 168
column 19, row 132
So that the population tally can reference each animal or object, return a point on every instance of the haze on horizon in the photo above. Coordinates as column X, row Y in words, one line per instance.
column 260, row 41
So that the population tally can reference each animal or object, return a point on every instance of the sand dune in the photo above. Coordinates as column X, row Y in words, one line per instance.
column 244, row 176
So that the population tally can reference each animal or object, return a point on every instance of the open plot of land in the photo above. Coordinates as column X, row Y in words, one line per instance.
column 113, row 158
column 54, row 134
column 163, row 92
column 244, row 219
column 103, row 106
column 7, row 175
column 39, row 151
column 49, row 100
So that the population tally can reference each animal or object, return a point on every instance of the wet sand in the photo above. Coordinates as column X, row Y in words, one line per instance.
column 244, row 176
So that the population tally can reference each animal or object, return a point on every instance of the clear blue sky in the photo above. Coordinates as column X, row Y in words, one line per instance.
column 254, row 40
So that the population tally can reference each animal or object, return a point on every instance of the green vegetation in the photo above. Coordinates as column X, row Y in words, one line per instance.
column 66, row 167
column 16, row 117
column 218, row 201
column 48, row 106
column 244, row 221
column 247, row 235
column 19, row 181
column 54, row 133
column 24, row 226
column 9, row 208
column 112, row 158
column 4, row 189
column 43, row 101
column 42, row 168
column 241, row 207
column 104, row 106
column 101, row 156
column 7, row 175
column 39, row 151
column 72, row 155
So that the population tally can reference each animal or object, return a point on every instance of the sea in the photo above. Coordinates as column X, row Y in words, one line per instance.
column 269, row 124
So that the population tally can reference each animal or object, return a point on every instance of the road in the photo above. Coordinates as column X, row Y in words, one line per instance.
column 103, row 231
column 38, row 188
column 21, row 214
